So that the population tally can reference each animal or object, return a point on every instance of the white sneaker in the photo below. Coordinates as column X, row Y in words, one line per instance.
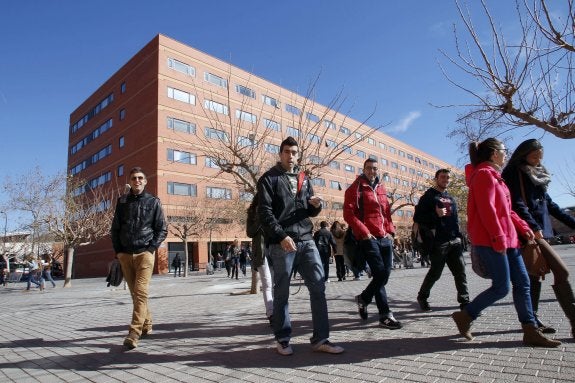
column 328, row 348
column 284, row 348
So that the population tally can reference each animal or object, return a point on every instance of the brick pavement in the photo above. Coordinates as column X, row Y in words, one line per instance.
column 206, row 331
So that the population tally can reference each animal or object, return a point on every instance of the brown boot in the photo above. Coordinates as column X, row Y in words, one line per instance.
column 131, row 341
column 463, row 322
column 533, row 337
column 566, row 299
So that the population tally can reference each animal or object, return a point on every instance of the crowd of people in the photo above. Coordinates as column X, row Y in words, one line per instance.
column 506, row 206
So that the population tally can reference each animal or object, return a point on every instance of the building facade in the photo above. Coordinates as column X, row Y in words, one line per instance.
column 167, row 110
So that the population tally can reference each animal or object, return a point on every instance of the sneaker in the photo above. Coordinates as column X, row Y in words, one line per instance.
column 131, row 342
column 328, row 348
column 423, row 304
column 361, row 307
column 147, row 329
column 390, row 323
column 284, row 348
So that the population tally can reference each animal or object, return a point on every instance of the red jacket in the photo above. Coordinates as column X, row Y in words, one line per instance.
column 376, row 212
column 490, row 219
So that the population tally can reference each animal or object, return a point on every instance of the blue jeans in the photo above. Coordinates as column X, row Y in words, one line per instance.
column 306, row 259
column 504, row 269
column 379, row 256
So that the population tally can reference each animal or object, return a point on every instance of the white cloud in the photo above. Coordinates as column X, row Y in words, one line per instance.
column 405, row 122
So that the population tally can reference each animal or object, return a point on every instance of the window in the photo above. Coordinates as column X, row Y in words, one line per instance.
column 181, row 125
column 244, row 141
column 215, row 134
column 93, row 112
column 218, row 193
column 335, row 185
column 216, row 80
column 344, row 130
column 346, row 149
column 181, row 67
column 122, row 114
column 410, row 157
column 121, row 142
column 246, row 196
column 329, row 124
column 123, row 88
column 384, row 162
column 92, row 136
column 211, row 162
column 394, row 165
column 318, row 182
column 412, row 171
column 370, row 141
column 293, row 109
column 401, row 153
column 314, row 159
column 246, row 116
column 245, row 91
column 182, row 157
column 177, row 188
column 386, row 177
column 216, row 107
column 313, row 138
column 182, row 96
column 403, row 168
column 330, row 143
column 334, row 165
column 382, row 146
column 349, row 168
column 392, row 150
column 360, row 154
column 358, row 135
column 312, row 117
column 271, row 148
column 120, row 170
column 270, row 101
column 292, row 132
column 273, row 125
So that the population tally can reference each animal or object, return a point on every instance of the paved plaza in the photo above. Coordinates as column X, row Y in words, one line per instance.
column 207, row 330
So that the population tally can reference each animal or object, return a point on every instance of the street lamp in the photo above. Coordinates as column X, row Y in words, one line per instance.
column 4, row 241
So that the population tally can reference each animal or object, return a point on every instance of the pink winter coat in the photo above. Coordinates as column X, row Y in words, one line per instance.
column 490, row 219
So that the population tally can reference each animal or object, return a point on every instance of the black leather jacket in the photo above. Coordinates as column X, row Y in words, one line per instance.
column 139, row 224
column 282, row 213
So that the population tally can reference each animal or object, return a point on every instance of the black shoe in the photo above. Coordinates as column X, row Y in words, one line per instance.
column 423, row 304
column 361, row 307
column 390, row 323
column 463, row 305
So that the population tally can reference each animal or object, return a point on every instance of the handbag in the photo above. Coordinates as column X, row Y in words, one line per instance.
column 535, row 263
column 477, row 264
column 115, row 275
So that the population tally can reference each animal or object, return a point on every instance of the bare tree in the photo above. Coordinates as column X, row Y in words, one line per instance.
column 81, row 216
column 524, row 82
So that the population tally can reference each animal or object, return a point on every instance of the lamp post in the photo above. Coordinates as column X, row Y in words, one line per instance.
column 4, row 255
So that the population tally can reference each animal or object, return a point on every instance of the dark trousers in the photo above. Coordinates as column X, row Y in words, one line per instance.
column 324, row 254
column 339, row 267
column 450, row 253
column 379, row 256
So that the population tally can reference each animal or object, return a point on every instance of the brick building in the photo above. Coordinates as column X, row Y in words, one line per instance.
column 169, row 103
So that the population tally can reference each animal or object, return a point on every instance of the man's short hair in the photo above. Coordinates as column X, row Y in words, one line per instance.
column 437, row 173
column 137, row 169
column 289, row 141
column 323, row 224
column 369, row 160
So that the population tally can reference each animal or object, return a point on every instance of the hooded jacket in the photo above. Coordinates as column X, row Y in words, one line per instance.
column 375, row 209
column 282, row 213
column 490, row 219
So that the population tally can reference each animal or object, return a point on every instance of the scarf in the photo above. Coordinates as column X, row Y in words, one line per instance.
column 537, row 174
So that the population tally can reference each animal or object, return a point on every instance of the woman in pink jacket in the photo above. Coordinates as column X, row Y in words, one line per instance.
column 492, row 228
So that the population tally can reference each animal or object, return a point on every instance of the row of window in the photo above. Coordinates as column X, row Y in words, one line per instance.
column 105, row 152
column 92, row 136
column 93, row 112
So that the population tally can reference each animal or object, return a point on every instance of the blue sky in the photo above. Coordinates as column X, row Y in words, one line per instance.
column 383, row 54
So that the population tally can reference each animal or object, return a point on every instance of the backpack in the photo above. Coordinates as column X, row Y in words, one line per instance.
column 351, row 245
column 422, row 239
column 253, row 225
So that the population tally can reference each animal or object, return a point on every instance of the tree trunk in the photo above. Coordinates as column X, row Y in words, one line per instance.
column 7, row 262
column 186, row 258
column 69, row 262
column 255, row 284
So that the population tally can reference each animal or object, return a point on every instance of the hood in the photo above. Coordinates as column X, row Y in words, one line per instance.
column 469, row 170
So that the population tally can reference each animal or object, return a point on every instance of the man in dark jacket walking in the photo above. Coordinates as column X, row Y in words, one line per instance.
column 325, row 243
column 286, row 203
column 437, row 211
column 366, row 210
column 138, row 229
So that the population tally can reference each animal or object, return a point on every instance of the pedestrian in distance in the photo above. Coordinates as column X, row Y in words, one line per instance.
column 437, row 211
column 286, row 203
column 138, row 229
column 47, row 270
column 325, row 244
column 177, row 265
column 338, row 231
column 493, row 228
column 366, row 210
column 528, row 181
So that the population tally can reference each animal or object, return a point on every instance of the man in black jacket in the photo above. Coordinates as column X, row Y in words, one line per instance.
column 138, row 229
column 286, row 203
column 325, row 243
column 437, row 211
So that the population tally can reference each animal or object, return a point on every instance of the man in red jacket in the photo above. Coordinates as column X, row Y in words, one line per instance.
column 366, row 210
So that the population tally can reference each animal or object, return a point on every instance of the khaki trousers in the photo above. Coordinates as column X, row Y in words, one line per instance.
column 137, row 270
